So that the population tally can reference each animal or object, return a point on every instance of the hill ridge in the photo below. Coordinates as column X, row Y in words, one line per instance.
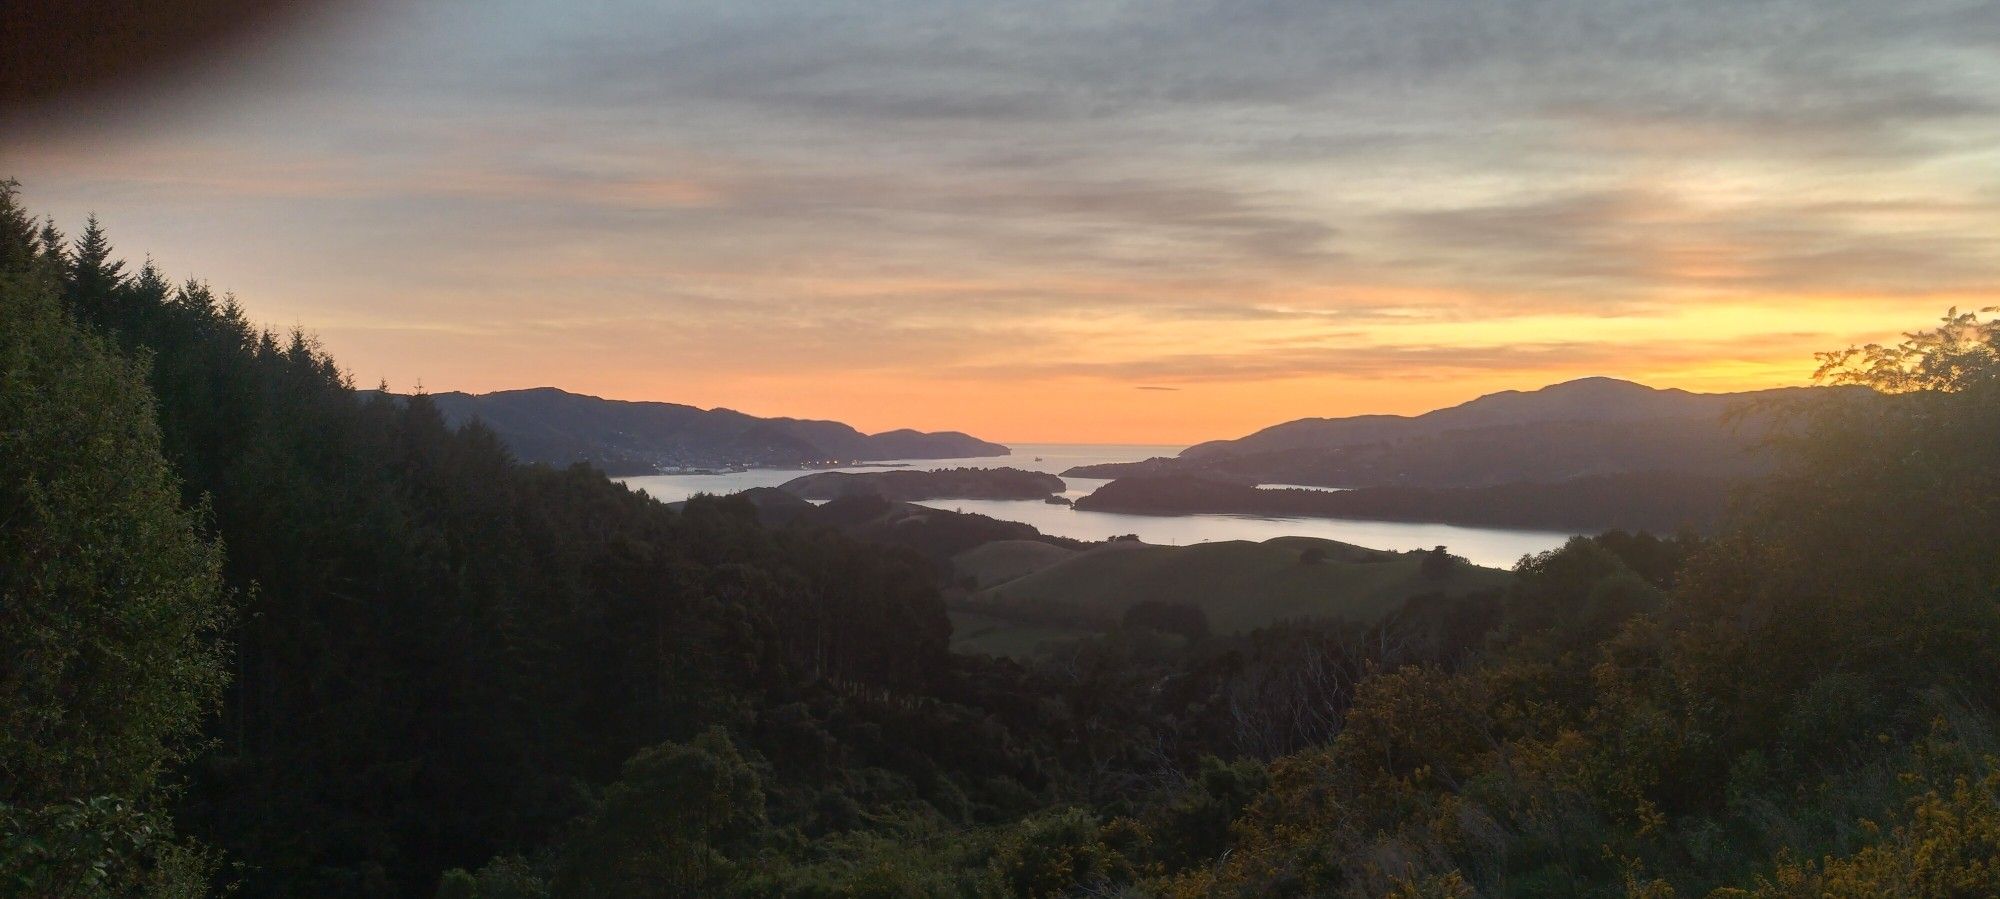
column 1584, row 427
column 1551, row 403
column 627, row 437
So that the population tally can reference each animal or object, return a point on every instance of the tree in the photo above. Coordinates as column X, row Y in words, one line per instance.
column 1066, row 852
column 1437, row 563
column 110, row 605
column 19, row 251
column 670, row 825
column 53, row 246
column 1962, row 353
column 1889, row 480
column 94, row 275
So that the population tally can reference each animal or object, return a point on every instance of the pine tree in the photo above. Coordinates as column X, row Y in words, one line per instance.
column 17, row 231
column 95, row 277
column 152, row 285
column 111, row 608
column 53, row 245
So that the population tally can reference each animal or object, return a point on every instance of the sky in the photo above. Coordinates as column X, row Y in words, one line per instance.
column 1156, row 222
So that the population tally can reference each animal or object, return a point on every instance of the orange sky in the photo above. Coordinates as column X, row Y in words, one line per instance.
column 1708, row 350
column 1065, row 222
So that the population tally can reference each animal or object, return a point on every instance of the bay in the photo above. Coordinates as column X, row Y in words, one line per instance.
column 1495, row 547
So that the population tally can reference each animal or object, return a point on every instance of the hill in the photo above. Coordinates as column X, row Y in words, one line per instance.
column 1239, row 585
column 1577, row 429
column 951, row 483
column 544, row 424
column 937, row 535
column 1004, row 560
column 1599, row 400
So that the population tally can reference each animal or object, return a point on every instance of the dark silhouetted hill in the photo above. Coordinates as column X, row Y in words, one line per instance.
column 1030, row 596
column 544, row 424
column 1578, row 429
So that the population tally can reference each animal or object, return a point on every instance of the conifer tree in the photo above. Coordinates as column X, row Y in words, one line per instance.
column 111, row 607
column 54, row 244
column 17, row 232
column 94, row 275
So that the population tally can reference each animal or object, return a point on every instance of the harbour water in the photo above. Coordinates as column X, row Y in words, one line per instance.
column 1484, row 546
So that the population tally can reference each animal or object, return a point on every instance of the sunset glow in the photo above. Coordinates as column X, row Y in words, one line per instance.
column 1079, row 222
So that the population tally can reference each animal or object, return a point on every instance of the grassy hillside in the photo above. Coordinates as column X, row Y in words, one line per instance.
column 1003, row 636
column 1001, row 561
column 1238, row 584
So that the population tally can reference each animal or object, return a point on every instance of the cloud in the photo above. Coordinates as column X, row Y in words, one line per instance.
column 1648, row 243
column 1183, row 192
column 1421, row 361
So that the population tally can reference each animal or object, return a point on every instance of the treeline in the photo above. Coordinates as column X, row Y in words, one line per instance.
column 1663, row 501
column 436, row 654
column 260, row 634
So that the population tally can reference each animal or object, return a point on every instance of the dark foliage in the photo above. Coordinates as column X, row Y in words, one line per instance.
column 110, row 601
column 444, row 650
column 1188, row 622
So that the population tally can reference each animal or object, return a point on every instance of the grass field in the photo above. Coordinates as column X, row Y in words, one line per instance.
column 1001, row 561
column 978, row 632
column 1240, row 585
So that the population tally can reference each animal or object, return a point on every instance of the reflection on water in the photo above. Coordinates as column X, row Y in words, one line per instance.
column 1484, row 546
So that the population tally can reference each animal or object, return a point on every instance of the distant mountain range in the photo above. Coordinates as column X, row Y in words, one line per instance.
column 1586, row 428
column 544, row 424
